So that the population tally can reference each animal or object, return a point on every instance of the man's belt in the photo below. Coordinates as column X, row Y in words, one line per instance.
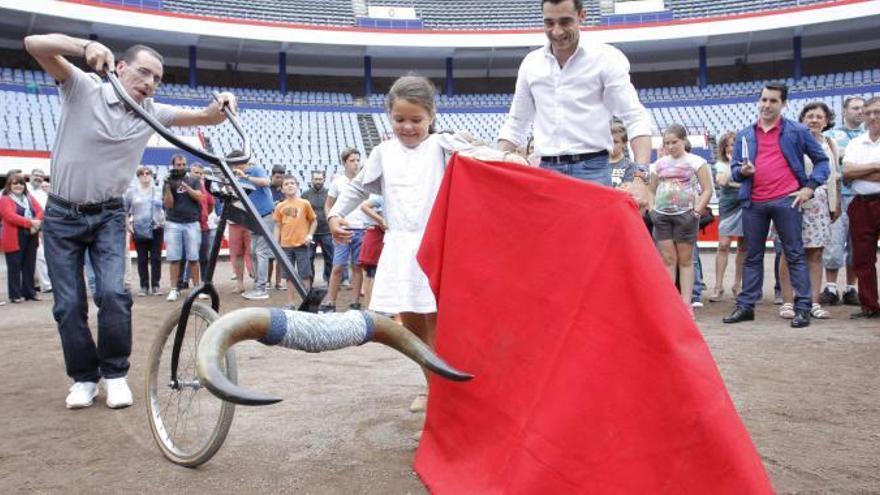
column 869, row 197
column 88, row 208
column 574, row 158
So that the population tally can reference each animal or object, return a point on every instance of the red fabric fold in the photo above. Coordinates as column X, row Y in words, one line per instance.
column 590, row 375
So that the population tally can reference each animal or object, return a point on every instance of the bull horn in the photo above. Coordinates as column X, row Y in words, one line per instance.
column 225, row 332
column 308, row 332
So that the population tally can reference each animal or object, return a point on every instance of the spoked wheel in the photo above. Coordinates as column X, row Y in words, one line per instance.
column 188, row 423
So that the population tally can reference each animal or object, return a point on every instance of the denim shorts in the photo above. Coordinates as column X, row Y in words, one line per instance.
column 594, row 170
column 677, row 228
column 343, row 254
column 300, row 257
column 180, row 236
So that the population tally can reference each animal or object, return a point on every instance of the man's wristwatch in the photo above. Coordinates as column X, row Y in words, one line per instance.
column 642, row 171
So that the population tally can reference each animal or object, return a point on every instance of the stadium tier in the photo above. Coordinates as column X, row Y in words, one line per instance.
column 687, row 9
column 454, row 14
column 325, row 12
column 306, row 130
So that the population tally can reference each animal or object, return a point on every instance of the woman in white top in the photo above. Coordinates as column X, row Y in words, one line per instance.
column 407, row 172
column 819, row 212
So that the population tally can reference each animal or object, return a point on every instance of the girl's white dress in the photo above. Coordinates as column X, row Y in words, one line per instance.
column 408, row 179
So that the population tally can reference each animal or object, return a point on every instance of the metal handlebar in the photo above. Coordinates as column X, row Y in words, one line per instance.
column 176, row 141
column 311, row 298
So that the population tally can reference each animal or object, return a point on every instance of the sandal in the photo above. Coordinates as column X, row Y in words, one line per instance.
column 716, row 295
column 786, row 311
column 818, row 312
column 327, row 308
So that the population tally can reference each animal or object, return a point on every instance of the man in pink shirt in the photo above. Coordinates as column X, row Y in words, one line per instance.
column 768, row 161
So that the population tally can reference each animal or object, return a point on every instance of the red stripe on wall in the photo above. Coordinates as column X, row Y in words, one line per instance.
column 291, row 25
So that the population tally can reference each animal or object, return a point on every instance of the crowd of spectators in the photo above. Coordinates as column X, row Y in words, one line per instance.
column 180, row 216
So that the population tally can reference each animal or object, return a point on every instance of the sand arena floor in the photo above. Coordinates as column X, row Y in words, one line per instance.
column 810, row 399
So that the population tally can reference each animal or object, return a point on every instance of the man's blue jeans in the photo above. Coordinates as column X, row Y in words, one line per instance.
column 699, row 285
column 68, row 236
column 326, row 243
column 756, row 226
column 592, row 170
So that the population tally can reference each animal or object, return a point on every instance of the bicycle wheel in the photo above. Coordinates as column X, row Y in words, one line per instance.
column 188, row 423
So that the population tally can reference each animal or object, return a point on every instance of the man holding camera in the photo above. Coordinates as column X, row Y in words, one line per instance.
column 182, row 196
column 98, row 146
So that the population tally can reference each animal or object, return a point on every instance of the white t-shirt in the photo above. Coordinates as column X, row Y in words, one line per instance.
column 357, row 219
column 863, row 150
column 679, row 186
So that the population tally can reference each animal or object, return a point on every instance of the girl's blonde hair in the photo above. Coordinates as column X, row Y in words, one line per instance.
column 415, row 89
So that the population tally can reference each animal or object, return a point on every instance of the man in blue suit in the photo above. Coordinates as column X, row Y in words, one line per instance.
column 768, row 160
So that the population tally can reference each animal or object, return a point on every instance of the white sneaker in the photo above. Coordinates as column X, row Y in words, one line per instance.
column 81, row 395
column 255, row 295
column 118, row 393
column 203, row 296
column 697, row 304
column 172, row 295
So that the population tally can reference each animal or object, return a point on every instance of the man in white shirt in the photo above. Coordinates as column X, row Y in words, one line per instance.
column 861, row 165
column 570, row 90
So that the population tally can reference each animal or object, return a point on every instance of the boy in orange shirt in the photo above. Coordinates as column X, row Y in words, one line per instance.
column 295, row 224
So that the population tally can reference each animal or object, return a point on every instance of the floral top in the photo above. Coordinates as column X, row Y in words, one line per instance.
column 678, row 186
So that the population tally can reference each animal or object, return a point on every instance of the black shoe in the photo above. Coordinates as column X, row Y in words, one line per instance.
column 801, row 318
column 851, row 298
column 865, row 315
column 327, row 308
column 740, row 314
column 828, row 298
column 354, row 306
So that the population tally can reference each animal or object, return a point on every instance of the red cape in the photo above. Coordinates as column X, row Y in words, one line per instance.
column 590, row 375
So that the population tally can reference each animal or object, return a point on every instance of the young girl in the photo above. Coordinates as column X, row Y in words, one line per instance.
column 730, row 223
column 682, row 185
column 407, row 171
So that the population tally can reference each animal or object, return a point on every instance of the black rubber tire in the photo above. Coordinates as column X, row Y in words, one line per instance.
column 188, row 424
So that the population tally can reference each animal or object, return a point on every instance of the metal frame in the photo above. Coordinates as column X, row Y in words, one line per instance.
column 246, row 215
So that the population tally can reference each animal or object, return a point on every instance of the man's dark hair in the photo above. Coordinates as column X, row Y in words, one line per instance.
column 348, row 152
column 278, row 169
column 177, row 156
column 578, row 4
column 132, row 52
column 778, row 86
column 850, row 99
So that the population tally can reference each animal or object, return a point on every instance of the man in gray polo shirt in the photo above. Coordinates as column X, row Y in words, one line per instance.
column 98, row 146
